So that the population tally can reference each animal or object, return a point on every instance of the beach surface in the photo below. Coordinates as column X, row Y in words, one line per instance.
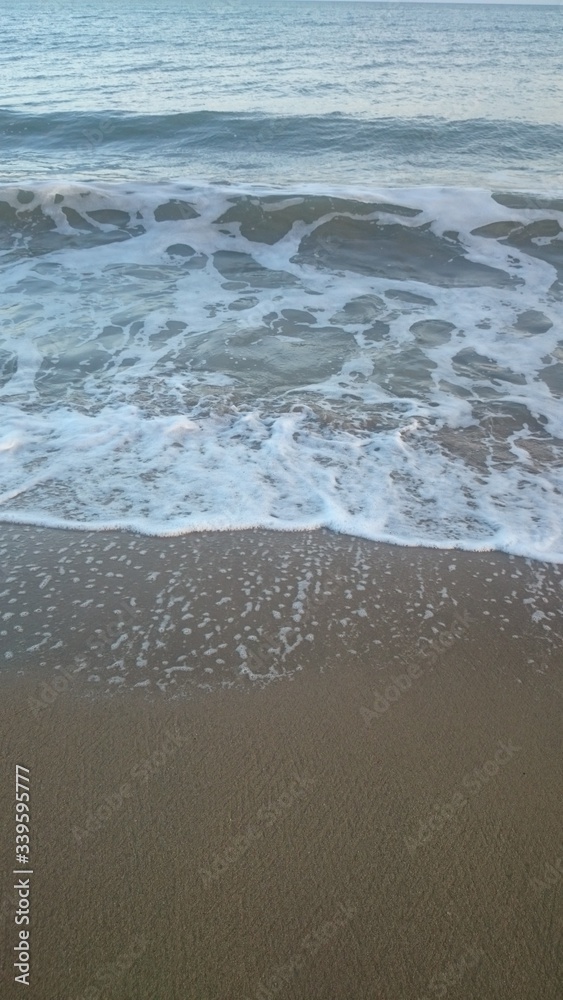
column 294, row 765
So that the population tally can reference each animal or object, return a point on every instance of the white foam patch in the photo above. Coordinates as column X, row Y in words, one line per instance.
column 200, row 411
column 121, row 470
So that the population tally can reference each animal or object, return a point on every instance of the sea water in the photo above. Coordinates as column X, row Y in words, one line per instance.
column 287, row 265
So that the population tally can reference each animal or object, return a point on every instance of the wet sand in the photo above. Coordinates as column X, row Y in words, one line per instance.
column 281, row 765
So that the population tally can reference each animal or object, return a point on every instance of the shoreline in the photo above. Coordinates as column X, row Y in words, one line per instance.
column 104, row 610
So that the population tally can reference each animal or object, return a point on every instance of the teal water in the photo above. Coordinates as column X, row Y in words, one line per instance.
column 283, row 92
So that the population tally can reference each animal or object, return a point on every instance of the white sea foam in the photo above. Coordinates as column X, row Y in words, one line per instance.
column 166, row 385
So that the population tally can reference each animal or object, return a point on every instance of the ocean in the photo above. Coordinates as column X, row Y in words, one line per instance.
column 288, row 265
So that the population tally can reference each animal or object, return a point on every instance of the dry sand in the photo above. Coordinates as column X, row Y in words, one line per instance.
column 293, row 766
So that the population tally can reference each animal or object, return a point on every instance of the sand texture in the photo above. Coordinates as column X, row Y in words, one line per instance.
column 301, row 766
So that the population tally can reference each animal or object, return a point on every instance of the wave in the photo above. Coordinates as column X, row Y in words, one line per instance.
column 221, row 131
column 387, row 362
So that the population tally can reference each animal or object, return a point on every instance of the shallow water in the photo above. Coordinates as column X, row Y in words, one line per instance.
column 274, row 298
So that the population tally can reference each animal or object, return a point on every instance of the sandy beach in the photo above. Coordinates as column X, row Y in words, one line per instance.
column 281, row 470
column 281, row 765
